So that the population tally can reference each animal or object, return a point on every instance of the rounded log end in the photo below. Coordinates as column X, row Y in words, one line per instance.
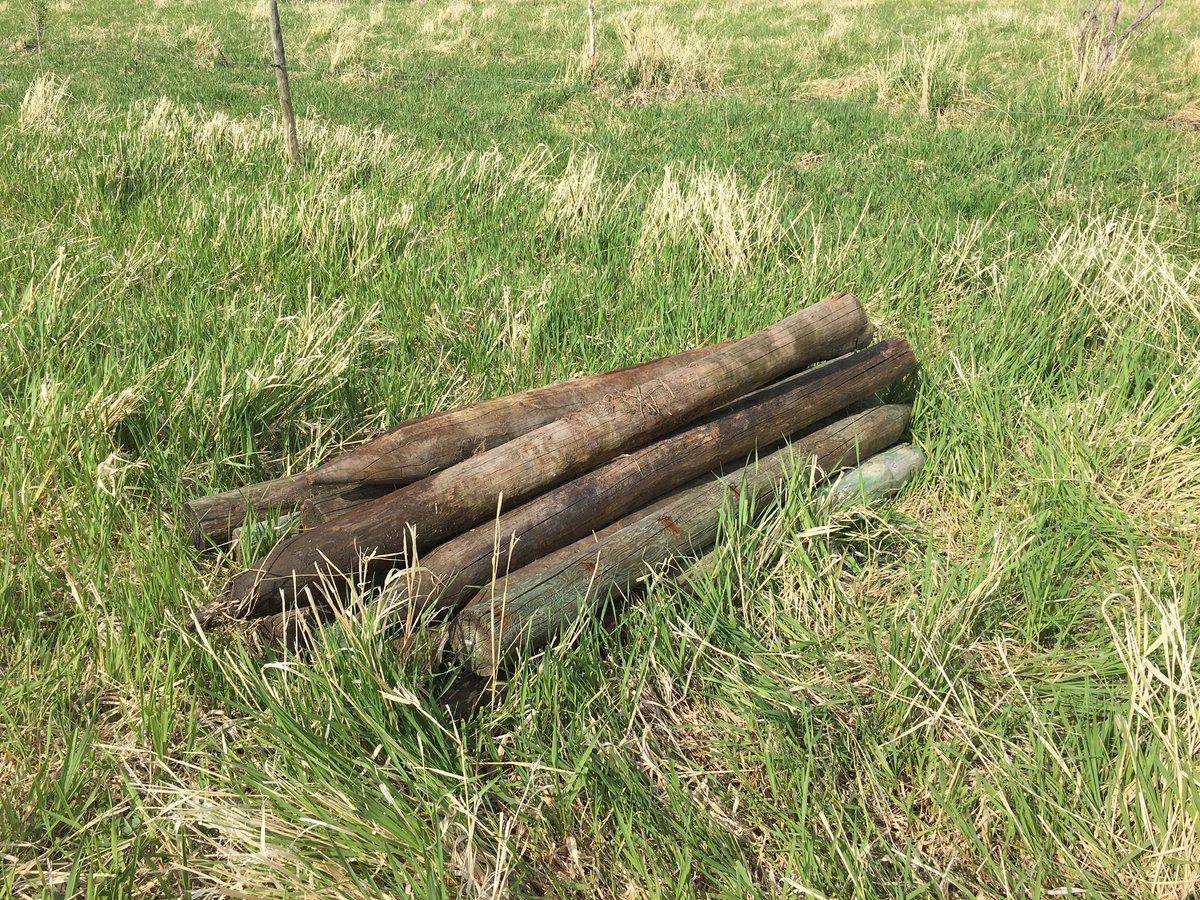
column 205, row 532
column 878, row 428
column 472, row 643
column 344, row 469
column 274, row 632
column 865, row 337
column 253, row 593
column 213, row 614
column 290, row 631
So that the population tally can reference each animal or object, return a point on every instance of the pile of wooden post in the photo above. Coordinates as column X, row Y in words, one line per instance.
column 515, row 517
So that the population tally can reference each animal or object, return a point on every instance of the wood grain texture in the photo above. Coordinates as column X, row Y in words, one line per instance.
column 368, row 540
column 451, row 573
column 419, row 447
column 211, row 520
column 409, row 452
column 530, row 612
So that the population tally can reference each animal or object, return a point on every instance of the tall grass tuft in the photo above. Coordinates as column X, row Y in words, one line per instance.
column 337, row 38
column 661, row 58
column 42, row 107
column 927, row 73
column 732, row 226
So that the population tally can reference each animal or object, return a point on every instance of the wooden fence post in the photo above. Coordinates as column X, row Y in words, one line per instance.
column 290, row 140
column 592, row 36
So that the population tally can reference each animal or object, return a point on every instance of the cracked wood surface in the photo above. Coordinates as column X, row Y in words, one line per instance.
column 411, row 451
column 526, row 613
column 368, row 540
column 451, row 573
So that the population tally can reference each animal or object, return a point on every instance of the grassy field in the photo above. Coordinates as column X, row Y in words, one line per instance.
column 988, row 688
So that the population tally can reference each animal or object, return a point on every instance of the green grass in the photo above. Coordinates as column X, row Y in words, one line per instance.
column 987, row 688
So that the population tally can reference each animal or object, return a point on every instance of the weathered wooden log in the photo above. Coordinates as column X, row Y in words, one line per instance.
column 494, row 626
column 416, row 449
column 880, row 477
column 452, row 572
column 211, row 520
column 324, row 508
column 438, row 580
column 294, row 628
column 468, row 690
column 411, row 451
column 413, row 592
column 427, row 512
column 320, row 509
column 326, row 505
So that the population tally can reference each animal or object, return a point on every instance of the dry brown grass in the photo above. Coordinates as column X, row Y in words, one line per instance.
column 337, row 38
column 731, row 224
column 835, row 88
column 1138, row 281
column 575, row 200
column 660, row 58
column 202, row 43
column 1188, row 117
column 1159, row 654
column 927, row 71
column 43, row 106
column 456, row 25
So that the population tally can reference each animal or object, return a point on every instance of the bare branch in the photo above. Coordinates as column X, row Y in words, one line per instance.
column 1138, row 25
column 1098, row 43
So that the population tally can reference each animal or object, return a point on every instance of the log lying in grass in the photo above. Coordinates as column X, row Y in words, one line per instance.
column 468, row 690
column 878, row 478
column 329, row 501
column 294, row 628
column 422, row 514
column 212, row 520
column 457, row 498
column 404, row 602
column 412, row 450
column 531, row 612
column 324, row 508
column 881, row 476
column 451, row 573
column 416, row 449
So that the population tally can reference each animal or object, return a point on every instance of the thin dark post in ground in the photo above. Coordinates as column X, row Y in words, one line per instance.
column 291, row 141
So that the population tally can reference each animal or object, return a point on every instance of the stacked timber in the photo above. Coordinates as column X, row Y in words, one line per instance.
column 517, row 517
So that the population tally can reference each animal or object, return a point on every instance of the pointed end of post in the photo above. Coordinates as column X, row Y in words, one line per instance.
column 339, row 470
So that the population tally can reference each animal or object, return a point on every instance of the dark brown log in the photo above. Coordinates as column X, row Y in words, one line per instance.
column 411, row 451
column 416, row 449
column 495, row 625
column 329, row 501
column 212, row 520
column 452, row 572
column 321, row 509
column 294, row 628
column 370, row 538
column 438, row 584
